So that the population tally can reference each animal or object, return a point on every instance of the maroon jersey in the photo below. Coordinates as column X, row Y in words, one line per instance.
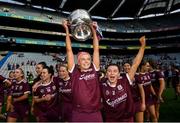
column 175, row 77
column 1, row 90
column 85, row 90
column 156, row 75
column 8, row 90
column 135, row 89
column 64, row 89
column 2, row 78
column 117, row 101
column 65, row 98
column 18, row 89
column 43, row 90
column 20, row 108
column 2, row 85
column 145, row 78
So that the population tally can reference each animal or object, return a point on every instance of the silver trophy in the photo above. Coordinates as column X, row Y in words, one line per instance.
column 80, row 24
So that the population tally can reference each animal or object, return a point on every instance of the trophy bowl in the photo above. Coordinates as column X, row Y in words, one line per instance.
column 80, row 21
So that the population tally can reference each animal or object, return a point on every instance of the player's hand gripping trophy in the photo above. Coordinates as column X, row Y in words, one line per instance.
column 79, row 22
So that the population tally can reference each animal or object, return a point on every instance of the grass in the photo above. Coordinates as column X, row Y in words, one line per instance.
column 169, row 110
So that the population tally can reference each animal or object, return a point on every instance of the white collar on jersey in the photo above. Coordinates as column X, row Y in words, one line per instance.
column 109, row 83
column 45, row 84
column 67, row 79
column 18, row 82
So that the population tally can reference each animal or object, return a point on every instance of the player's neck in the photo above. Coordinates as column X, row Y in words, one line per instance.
column 112, row 84
column 46, row 81
column 66, row 78
column 19, row 79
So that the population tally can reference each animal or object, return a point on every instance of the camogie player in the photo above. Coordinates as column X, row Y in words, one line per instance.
column 150, row 96
column 117, row 97
column 63, row 83
column 4, row 83
column 18, row 97
column 176, row 81
column 158, row 83
column 86, row 99
column 138, row 95
column 39, row 68
column 45, row 97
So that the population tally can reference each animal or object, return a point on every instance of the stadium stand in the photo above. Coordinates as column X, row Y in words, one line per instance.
column 14, row 59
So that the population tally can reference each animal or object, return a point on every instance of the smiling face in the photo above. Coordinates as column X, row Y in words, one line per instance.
column 113, row 73
column 39, row 69
column 45, row 75
column 127, row 67
column 18, row 74
column 84, row 61
column 63, row 72
column 146, row 67
column 11, row 75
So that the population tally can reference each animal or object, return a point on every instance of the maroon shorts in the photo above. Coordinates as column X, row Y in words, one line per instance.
column 19, row 111
column 130, row 119
column 66, row 112
column 36, row 111
column 48, row 116
column 137, row 106
column 151, row 100
column 86, row 117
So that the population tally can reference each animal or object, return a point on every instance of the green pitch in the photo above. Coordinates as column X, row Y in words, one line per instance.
column 169, row 110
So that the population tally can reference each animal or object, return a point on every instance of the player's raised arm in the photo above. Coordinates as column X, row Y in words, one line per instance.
column 70, row 55
column 137, row 60
column 96, row 59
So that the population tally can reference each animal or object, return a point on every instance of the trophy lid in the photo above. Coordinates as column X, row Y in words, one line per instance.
column 79, row 21
column 79, row 15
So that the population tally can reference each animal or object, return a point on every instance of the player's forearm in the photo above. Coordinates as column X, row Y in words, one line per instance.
column 32, row 103
column 95, row 40
column 136, row 62
column 21, row 98
column 152, row 90
column 9, row 102
column 141, row 90
column 161, row 88
column 68, row 42
column 38, row 100
column 139, row 56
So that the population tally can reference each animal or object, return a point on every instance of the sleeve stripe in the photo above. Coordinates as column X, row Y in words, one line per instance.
column 70, row 71
column 35, row 96
column 5, row 80
column 95, row 67
column 27, row 92
column 130, row 82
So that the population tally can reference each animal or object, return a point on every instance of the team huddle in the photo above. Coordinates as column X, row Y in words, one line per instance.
column 80, row 93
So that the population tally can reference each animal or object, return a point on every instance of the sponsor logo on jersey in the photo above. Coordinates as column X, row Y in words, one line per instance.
column 107, row 92
column 54, row 87
column 64, row 90
column 42, row 91
column 48, row 89
column 20, row 87
column 117, row 101
column 87, row 77
column 119, row 87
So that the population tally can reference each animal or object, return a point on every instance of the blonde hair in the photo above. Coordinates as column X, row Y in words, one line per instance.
column 21, row 72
